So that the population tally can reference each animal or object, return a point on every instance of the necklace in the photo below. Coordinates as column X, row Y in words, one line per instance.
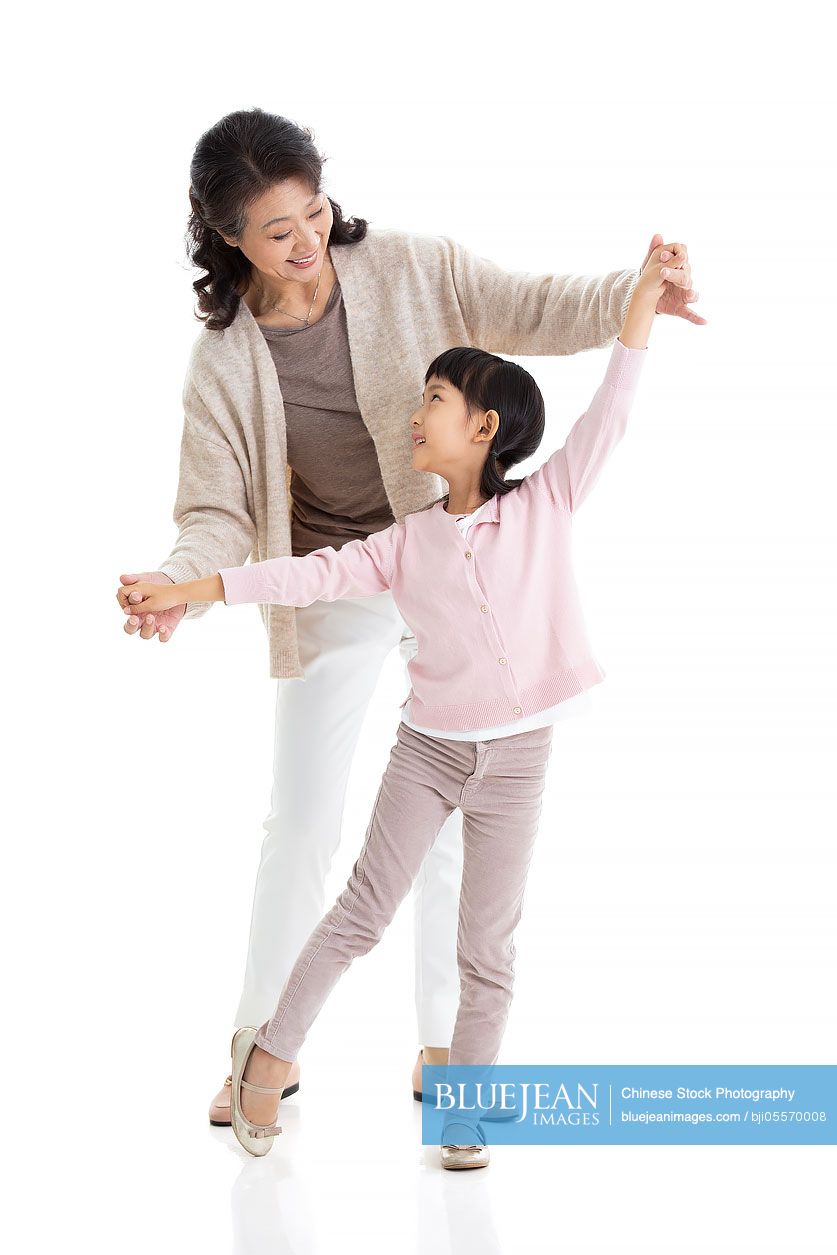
column 307, row 317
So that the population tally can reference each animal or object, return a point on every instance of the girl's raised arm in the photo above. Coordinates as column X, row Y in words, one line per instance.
column 569, row 474
column 571, row 471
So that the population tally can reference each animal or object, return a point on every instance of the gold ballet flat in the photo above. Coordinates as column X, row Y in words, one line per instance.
column 256, row 1138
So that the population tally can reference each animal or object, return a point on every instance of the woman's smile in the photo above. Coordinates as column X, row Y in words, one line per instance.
column 302, row 263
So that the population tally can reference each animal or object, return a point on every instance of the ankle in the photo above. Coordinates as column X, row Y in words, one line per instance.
column 435, row 1056
column 267, row 1066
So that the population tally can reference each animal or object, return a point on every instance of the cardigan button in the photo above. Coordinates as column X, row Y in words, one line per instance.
column 518, row 710
column 484, row 609
column 468, row 554
column 503, row 660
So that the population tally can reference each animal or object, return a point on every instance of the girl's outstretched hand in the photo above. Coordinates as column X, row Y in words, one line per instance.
column 148, row 625
column 144, row 597
column 677, row 292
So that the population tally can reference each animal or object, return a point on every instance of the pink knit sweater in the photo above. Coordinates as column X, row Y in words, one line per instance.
column 497, row 617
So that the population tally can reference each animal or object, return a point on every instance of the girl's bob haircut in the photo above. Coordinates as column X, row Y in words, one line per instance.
column 489, row 382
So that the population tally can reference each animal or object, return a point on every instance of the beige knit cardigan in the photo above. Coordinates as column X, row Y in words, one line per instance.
column 407, row 298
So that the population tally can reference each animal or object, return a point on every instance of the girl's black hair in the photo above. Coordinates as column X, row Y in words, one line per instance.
column 234, row 162
column 489, row 382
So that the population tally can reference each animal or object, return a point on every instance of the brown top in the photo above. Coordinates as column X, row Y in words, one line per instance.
column 337, row 493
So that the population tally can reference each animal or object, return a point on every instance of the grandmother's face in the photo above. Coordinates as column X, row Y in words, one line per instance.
column 289, row 221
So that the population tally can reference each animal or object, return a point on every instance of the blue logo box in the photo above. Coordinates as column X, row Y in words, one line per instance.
column 689, row 1104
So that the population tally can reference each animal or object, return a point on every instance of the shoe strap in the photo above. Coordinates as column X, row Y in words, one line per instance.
column 472, row 1128
column 260, row 1089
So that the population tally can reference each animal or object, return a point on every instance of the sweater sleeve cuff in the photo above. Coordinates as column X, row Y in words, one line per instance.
column 625, row 366
column 242, row 584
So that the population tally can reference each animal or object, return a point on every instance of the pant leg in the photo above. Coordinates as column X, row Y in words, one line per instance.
column 343, row 646
column 436, row 921
column 501, row 804
column 420, row 787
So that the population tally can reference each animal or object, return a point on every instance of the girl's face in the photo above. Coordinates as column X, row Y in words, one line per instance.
column 287, row 222
column 445, row 439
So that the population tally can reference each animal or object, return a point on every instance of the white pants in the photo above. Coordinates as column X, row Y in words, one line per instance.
column 342, row 647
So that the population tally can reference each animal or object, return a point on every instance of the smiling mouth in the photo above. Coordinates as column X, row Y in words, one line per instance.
column 417, row 440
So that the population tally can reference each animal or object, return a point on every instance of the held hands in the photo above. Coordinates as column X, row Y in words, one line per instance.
column 653, row 278
column 665, row 266
column 150, row 619
column 672, row 280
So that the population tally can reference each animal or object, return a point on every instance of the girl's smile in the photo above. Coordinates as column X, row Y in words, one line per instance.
column 458, row 441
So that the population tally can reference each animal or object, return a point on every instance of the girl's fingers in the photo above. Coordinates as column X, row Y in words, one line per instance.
column 137, row 598
column 676, row 254
column 681, row 278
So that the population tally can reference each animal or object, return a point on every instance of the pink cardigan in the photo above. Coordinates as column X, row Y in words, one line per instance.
column 497, row 617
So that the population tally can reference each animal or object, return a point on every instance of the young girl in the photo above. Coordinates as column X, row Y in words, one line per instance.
column 484, row 578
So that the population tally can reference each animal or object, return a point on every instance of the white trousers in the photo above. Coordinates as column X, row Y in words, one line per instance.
column 342, row 648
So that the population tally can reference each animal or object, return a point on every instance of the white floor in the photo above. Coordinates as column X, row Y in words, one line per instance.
column 344, row 1176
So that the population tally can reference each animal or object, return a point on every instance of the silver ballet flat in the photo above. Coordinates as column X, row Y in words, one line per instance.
column 464, row 1156
column 256, row 1138
column 461, row 1156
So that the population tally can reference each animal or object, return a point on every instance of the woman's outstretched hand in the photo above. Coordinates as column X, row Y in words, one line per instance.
column 678, row 292
column 160, row 622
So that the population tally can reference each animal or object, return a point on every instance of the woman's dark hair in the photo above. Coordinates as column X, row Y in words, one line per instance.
column 235, row 162
column 489, row 382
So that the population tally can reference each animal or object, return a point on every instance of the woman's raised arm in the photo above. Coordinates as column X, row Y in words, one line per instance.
column 519, row 313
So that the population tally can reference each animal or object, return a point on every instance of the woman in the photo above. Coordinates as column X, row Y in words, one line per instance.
column 294, row 438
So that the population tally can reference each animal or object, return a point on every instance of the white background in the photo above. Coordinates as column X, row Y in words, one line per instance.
column 680, row 906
